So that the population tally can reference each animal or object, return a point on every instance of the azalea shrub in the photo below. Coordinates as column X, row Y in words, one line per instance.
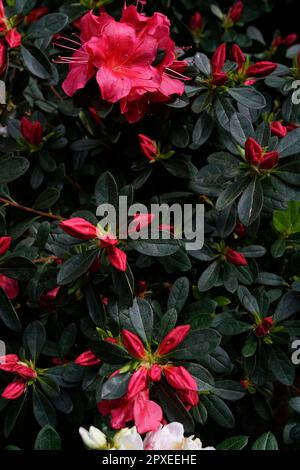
column 113, row 342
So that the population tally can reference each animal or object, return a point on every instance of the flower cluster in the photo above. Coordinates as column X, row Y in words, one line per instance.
column 150, row 367
column 133, row 60
column 8, row 285
column 168, row 437
column 24, row 373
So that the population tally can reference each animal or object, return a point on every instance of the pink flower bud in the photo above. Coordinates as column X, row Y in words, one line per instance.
column 14, row 390
column 9, row 286
column 79, row 228
column 137, row 383
column 87, row 359
column 148, row 147
column 117, row 258
column 5, row 243
column 236, row 258
column 173, row 339
column 155, row 373
column 133, row 344
column 261, row 69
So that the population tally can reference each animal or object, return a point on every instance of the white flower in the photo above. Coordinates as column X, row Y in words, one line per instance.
column 169, row 437
column 94, row 439
column 128, row 439
column 194, row 444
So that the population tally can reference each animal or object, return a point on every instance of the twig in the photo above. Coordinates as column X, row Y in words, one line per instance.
column 29, row 209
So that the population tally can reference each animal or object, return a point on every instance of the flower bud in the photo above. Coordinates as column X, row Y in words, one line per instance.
column 195, row 22
column 235, row 12
column 5, row 243
column 14, row 390
column 236, row 55
column 137, row 383
column 36, row 14
column 264, row 327
column 32, row 132
column 278, row 129
column 240, row 230
column 148, row 147
column 79, row 228
column 133, row 344
column 253, row 151
column 269, row 160
column 3, row 58
column 87, row 359
column 155, row 373
column 261, row 69
column 219, row 78
column 93, row 439
column 173, row 339
column 236, row 258
column 128, row 439
column 218, row 58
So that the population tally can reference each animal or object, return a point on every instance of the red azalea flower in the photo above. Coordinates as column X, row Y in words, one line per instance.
column 236, row 55
column 290, row 39
column 5, row 243
column 236, row 258
column 219, row 78
column 235, row 12
column 9, row 286
column 255, row 155
column 32, row 132
column 79, row 228
column 3, row 58
column 14, row 390
column 184, row 384
column 133, row 344
column 87, row 359
column 138, row 382
column 264, row 327
column 173, row 339
column 261, row 69
column 148, row 147
column 278, row 129
column 218, row 58
column 195, row 22
column 12, row 36
column 47, row 299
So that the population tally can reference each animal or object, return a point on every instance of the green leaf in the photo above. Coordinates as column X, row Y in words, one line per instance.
column 251, row 203
column 95, row 306
column 203, row 64
column 266, row 442
column 197, row 344
column 8, row 315
column 141, row 317
column 12, row 415
column 241, row 128
column 290, row 144
column 174, row 409
column 36, row 62
column 115, row 387
column 47, row 439
column 106, row 190
column 288, row 221
column 229, row 390
column 295, row 404
column 166, row 324
column 281, row 366
column 48, row 25
column 15, row 267
column 224, row 112
column 248, row 300
column 289, row 305
column 178, row 294
column 231, row 193
column 218, row 411
column 250, row 346
column 12, row 168
column 76, row 266
column 248, row 96
column 209, row 277
column 47, row 199
column 110, row 353
column 23, row 7
column 34, row 339
column 43, row 410
column 234, row 443
column 156, row 248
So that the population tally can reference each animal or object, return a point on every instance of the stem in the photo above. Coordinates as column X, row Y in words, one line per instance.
column 29, row 209
column 49, row 259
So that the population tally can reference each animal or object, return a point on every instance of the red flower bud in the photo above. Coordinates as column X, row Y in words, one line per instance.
column 269, row 160
column 87, row 359
column 236, row 258
column 9, row 362
column 133, row 344
column 148, row 147
column 10, row 286
column 173, row 339
column 195, row 22
column 79, row 228
column 261, row 69
column 218, row 58
column 36, row 14
column 32, row 132
column 263, row 329
column 137, row 383
column 219, row 78
column 290, row 39
column 278, row 129
column 25, row 371
column 155, row 373
column 117, row 258
column 182, row 381
column 253, row 151
column 14, row 390
column 5, row 243
column 235, row 12
column 3, row 58
column 236, row 55
column 240, row 230
column 291, row 127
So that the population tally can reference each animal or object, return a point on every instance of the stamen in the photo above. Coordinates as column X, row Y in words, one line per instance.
column 177, row 74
